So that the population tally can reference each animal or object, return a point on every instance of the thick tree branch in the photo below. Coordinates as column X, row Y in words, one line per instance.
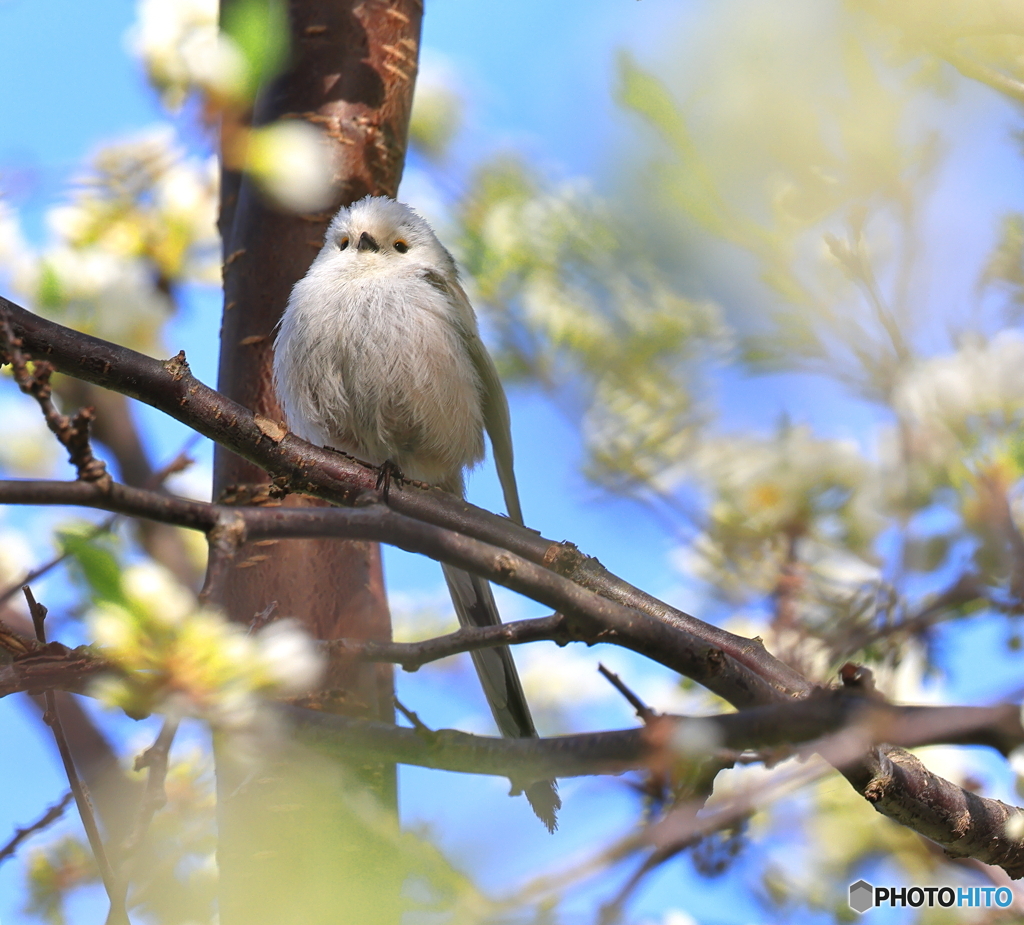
column 72, row 432
column 587, row 616
column 781, row 724
column 297, row 466
column 155, row 759
column 50, row 667
column 666, row 738
column 964, row 824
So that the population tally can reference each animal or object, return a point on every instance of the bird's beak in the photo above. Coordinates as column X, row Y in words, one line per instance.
column 366, row 243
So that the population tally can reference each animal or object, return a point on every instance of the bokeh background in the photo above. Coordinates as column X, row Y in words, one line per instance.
column 752, row 273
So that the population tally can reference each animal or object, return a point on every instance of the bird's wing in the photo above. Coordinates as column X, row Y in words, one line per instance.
column 495, row 405
column 497, row 422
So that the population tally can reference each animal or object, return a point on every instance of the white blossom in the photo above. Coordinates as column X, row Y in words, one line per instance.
column 293, row 164
column 290, row 657
column 964, row 396
column 179, row 44
column 153, row 587
column 101, row 293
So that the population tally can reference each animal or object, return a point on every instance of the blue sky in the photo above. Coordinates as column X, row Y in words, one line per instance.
column 539, row 77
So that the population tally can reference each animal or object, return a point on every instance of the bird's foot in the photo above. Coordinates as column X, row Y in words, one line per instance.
column 388, row 471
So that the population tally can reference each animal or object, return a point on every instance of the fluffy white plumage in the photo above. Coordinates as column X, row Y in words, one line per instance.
column 372, row 354
column 378, row 355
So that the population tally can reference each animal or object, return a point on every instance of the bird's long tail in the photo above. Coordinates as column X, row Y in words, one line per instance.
column 474, row 605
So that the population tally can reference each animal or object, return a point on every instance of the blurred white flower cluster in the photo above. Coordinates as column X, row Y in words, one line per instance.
column 293, row 164
column 602, row 319
column 184, row 660
column 765, row 493
column 959, row 441
column 967, row 401
column 140, row 222
column 185, row 53
column 182, row 49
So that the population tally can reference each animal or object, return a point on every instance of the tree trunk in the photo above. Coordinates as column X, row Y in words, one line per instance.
column 352, row 71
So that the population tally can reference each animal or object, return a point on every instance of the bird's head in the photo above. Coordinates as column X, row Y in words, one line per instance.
column 378, row 235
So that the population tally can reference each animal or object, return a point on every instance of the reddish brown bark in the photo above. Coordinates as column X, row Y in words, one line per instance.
column 352, row 70
column 352, row 73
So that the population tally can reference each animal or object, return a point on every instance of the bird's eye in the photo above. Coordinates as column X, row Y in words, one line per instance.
column 343, row 243
column 401, row 246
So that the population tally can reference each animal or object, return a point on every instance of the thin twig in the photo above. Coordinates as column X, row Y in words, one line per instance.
column 611, row 911
column 413, row 655
column 417, row 723
column 72, row 432
column 789, row 584
column 48, row 818
column 642, row 710
column 180, row 462
column 154, row 798
column 263, row 618
column 38, row 613
column 118, row 914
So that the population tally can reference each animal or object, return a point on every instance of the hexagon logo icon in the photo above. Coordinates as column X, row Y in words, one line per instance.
column 862, row 896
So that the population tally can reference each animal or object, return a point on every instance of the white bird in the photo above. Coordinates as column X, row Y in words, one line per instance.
column 378, row 355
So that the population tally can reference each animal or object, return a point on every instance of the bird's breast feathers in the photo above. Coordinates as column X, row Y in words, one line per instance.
column 384, row 373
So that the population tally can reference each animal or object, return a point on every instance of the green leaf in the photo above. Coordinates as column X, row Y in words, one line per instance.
column 436, row 120
column 260, row 30
column 51, row 291
column 96, row 562
column 1016, row 450
column 1005, row 264
column 642, row 92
